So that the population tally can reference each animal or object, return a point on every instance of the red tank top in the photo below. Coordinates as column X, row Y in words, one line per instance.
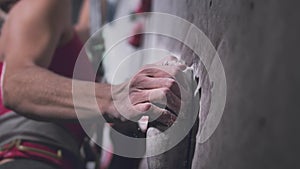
column 63, row 63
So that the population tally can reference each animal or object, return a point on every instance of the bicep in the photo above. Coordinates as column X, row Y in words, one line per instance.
column 31, row 36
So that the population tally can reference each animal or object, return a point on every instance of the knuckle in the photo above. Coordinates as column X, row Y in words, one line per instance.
column 143, row 80
column 133, row 80
column 145, row 107
column 144, row 70
column 132, row 99
column 166, row 91
column 137, row 80
column 134, row 92
column 132, row 96
column 171, row 83
column 137, row 96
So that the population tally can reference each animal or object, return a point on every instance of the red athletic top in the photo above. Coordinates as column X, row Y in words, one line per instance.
column 63, row 63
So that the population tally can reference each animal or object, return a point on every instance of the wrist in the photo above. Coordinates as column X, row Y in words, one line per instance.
column 103, row 97
column 112, row 95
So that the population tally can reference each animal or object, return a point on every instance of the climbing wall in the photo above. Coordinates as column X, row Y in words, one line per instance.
column 257, row 42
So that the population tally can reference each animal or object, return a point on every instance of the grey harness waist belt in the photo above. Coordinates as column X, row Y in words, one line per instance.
column 14, row 126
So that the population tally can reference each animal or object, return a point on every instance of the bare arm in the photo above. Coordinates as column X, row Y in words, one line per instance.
column 31, row 34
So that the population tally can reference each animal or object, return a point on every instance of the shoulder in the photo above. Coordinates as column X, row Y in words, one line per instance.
column 54, row 12
column 36, row 27
column 51, row 16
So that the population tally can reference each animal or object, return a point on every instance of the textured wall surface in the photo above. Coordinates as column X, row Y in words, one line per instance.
column 258, row 42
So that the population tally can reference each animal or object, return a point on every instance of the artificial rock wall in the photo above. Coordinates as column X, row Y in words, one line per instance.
column 257, row 42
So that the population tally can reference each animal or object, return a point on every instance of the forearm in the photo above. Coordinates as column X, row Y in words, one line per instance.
column 40, row 94
column 36, row 92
